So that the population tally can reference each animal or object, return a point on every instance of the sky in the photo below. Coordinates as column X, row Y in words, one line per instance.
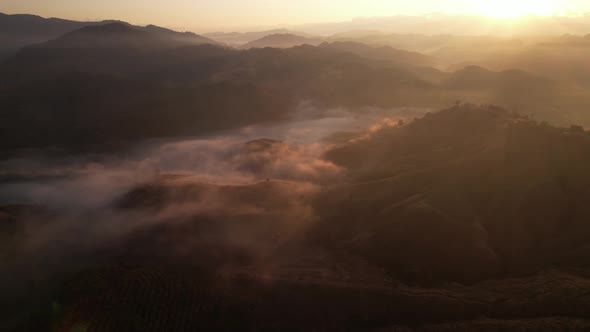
column 199, row 15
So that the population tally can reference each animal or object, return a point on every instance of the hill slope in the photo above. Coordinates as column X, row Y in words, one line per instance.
column 471, row 218
column 464, row 194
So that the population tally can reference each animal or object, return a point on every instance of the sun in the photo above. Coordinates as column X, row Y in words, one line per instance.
column 515, row 8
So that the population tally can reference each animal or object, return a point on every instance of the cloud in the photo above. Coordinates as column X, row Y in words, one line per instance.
column 250, row 191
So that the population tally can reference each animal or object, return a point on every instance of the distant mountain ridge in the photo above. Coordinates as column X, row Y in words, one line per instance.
column 121, row 34
column 238, row 39
column 383, row 53
column 285, row 40
column 33, row 24
column 474, row 77
column 98, row 82
column 20, row 30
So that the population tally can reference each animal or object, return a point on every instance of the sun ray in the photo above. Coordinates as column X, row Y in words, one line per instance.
column 514, row 9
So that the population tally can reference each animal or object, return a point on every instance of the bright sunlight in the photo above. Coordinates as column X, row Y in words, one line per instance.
column 514, row 9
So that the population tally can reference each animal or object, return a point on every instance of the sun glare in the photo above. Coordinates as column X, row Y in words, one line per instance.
column 515, row 8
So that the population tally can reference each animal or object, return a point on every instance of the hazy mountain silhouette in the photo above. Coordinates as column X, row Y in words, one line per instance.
column 281, row 41
column 383, row 53
column 18, row 31
column 238, row 39
column 38, row 28
column 556, row 57
column 474, row 77
column 101, row 65
column 123, row 35
column 561, row 58
column 188, row 38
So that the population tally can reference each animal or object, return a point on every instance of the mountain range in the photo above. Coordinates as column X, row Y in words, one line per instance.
column 155, row 180
column 237, row 39
column 282, row 41
column 17, row 31
column 107, row 78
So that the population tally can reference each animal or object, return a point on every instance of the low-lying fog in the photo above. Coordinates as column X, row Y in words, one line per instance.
column 88, row 201
column 93, row 181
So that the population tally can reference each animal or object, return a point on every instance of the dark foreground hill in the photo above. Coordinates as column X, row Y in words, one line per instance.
column 472, row 218
column 497, row 195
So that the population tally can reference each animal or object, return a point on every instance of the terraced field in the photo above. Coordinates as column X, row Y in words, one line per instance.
column 153, row 299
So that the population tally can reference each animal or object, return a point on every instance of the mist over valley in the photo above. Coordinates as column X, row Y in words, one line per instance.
column 400, row 173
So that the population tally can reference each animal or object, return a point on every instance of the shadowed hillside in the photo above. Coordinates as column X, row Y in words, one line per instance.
column 467, row 218
column 497, row 194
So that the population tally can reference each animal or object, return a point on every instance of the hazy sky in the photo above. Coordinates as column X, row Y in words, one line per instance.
column 214, row 14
